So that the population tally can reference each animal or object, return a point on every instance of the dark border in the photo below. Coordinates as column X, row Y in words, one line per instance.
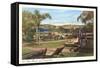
column 15, row 32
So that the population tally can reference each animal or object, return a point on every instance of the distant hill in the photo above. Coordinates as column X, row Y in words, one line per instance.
column 49, row 26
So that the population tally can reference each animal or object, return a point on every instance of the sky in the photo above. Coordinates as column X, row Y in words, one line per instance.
column 59, row 16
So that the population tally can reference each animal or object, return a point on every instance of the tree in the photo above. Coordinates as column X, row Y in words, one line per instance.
column 86, row 17
column 27, row 26
column 38, row 17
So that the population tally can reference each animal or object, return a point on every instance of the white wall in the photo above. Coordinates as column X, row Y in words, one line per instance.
column 5, row 34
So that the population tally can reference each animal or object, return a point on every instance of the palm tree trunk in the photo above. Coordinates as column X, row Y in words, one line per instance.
column 37, row 35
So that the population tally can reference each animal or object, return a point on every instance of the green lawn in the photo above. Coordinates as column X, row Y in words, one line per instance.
column 26, row 50
column 47, row 44
column 53, row 44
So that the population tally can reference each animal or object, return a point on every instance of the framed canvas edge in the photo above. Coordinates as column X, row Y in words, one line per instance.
column 46, row 4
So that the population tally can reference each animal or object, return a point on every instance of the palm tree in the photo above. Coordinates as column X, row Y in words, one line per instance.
column 38, row 17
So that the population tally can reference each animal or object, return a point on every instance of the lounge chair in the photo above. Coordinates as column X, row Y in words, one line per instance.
column 56, row 52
